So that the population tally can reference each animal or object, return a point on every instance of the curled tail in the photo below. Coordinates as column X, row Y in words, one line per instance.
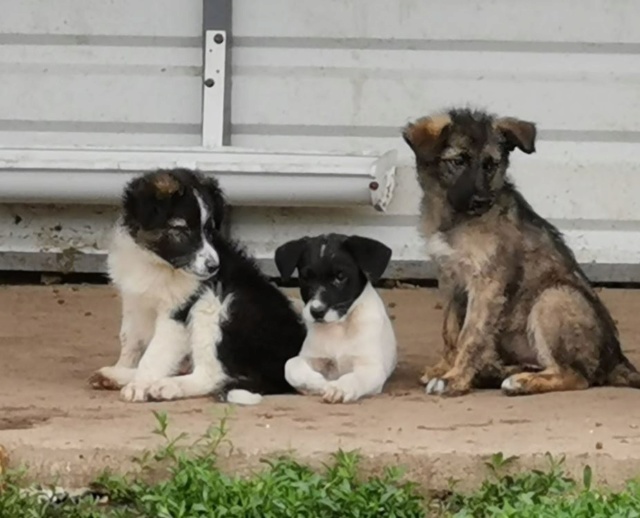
column 624, row 375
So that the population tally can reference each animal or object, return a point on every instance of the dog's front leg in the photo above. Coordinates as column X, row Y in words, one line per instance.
column 476, row 348
column 364, row 380
column 451, row 326
column 136, row 331
column 205, row 320
column 305, row 374
column 163, row 357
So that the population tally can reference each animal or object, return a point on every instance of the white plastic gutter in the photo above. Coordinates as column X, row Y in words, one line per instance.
column 92, row 175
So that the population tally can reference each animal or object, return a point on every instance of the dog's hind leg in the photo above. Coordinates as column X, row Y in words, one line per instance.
column 549, row 380
column 563, row 331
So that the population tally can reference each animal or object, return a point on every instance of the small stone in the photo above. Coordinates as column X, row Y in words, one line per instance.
column 50, row 279
column 599, row 445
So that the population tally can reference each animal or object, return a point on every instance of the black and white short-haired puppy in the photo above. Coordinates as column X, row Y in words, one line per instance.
column 350, row 349
column 190, row 292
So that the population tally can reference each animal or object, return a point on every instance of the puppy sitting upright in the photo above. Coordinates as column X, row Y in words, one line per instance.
column 350, row 349
column 517, row 297
column 188, row 291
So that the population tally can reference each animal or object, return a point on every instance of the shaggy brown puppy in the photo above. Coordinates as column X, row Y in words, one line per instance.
column 520, row 312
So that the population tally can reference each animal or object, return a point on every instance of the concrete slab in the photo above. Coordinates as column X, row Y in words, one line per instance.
column 53, row 338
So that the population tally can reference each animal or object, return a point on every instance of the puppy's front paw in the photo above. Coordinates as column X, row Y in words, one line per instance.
column 165, row 389
column 434, row 371
column 336, row 393
column 448, row 387
column 101, row 380
column 135, row 392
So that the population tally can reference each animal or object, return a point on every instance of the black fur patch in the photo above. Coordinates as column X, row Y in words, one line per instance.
column 333, row 268
column 261, row 330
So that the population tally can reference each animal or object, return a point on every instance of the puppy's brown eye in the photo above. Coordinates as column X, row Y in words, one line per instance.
column 458, row 161
column 340, row 277
column 489, row 165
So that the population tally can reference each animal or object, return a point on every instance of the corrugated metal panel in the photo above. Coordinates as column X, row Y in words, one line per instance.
column 121, row 72
column 339, row 75
column 346, row 75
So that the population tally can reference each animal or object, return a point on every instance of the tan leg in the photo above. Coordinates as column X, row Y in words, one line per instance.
column 450, row 331
column 475, row 350
column 549, row 380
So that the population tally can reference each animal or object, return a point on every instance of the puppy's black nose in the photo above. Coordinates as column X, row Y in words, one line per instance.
column 317, row 313
column 212, row 266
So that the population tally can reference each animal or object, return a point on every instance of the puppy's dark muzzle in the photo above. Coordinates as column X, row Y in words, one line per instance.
column 480, row 204
column 464, row 196
column 318, row 313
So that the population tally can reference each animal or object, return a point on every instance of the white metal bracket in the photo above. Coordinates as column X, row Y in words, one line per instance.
column 214, row 84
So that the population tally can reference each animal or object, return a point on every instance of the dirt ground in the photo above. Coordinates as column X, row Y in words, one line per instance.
column 53, row 338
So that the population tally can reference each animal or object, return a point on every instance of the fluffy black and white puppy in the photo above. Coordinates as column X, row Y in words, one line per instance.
column 350, row 348
column 190, row 292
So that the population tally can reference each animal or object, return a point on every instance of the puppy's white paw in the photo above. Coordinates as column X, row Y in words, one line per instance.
column 511, row 386
column 165, row 389
column 436, row 386
column 135, row 392
column 336, row 393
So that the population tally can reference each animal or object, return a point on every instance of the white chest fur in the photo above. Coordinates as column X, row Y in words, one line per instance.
column 141, row 274
column 438, row 248
column 365, row 335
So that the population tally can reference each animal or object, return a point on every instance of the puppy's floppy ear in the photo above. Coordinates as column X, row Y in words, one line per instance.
column 212, row 186
column 141, row 203
column 518, row 134
column 426, row 134
column 372, row 256
column 287, row 257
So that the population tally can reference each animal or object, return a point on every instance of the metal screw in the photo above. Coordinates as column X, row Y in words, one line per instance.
column 209, row 83
column 374, row 186
column 218, row 38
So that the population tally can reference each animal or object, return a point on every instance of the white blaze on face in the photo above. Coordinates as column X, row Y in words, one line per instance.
column 314, row 303
column 206, row 258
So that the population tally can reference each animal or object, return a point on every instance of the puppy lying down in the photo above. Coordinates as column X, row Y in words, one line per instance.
column 350, row 349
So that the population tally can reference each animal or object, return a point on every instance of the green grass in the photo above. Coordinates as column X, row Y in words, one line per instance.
column 194, row 487
column 541, row 494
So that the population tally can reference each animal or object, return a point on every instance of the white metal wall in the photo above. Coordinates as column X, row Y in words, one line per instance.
column 347, row 74
column 100, row 72
column 341, row 75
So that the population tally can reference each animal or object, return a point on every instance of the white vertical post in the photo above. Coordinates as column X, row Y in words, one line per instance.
column 214, row 84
